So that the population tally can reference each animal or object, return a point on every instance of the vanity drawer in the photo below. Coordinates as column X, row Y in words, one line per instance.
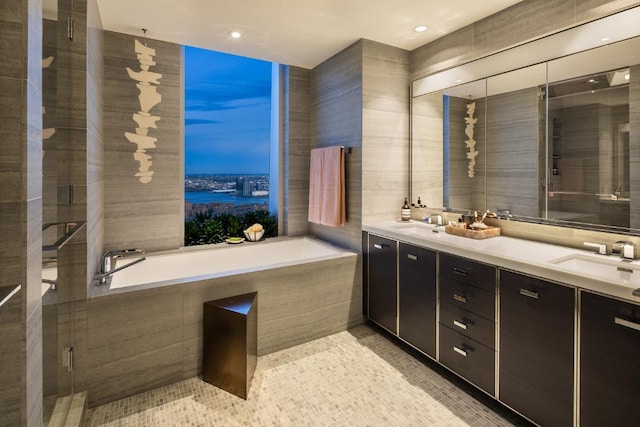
column 467, row 297
column 466, row 271
column 470, row 359
column 534, row 290
column 468, row 324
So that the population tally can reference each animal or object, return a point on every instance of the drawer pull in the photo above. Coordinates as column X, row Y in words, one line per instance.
column 460, row 351
column 529, row 294
column 377, row 246
column 459, row 271
column 413, row 257
column 627, row 323
column 460, row 298
column 625, row 270
column 460, row 325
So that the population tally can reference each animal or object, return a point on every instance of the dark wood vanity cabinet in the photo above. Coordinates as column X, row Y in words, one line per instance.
column 537, row 348
column 382, row 289
column 417, row 297
column 609, row 362
column 467, row 319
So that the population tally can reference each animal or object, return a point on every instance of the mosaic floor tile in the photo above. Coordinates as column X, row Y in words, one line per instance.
column 354, row 378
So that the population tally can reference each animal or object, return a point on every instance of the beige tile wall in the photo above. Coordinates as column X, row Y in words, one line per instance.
column 360, row 100
column 336, row 119
column 147, row 216
column 296, row 150
column 385, row 131
column 21, row 211
column 520, row 23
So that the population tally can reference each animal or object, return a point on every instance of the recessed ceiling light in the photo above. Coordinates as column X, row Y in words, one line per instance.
column 626, row 76
column 420, row 28
column 604, row 39
column 235, row 34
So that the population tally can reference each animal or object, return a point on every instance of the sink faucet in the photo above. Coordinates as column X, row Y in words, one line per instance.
column 433, row 219
column 623, row 248
column 601, row 247
column 109, row 259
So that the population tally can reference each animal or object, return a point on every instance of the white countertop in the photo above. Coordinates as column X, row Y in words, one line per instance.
column 581, row 268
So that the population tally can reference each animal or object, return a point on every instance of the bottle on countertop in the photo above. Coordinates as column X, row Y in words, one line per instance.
column 405, row 212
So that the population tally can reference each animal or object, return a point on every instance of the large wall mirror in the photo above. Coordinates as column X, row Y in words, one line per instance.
column 549, row 142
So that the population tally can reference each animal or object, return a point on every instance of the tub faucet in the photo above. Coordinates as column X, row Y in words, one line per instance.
column 109, row 259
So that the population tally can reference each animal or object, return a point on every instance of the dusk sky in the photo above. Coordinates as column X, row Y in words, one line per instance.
column 227, row 113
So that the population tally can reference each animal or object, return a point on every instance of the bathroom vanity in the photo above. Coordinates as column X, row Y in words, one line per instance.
column 549, row 331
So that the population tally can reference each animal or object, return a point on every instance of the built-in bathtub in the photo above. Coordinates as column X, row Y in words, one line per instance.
column 192, row 264
column 145, row 330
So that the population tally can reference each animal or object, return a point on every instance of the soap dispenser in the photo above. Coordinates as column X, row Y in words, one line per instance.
column 405, row 212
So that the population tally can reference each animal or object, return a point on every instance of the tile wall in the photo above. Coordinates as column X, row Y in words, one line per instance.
column 336, row 119
column 515, row 25
column 142, row 215
column 359, row 99
column 296, row 150
column 21, row 212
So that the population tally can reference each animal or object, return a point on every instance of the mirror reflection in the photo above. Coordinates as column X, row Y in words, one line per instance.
column 589, row 149
column 465, row 145
column 549, row 142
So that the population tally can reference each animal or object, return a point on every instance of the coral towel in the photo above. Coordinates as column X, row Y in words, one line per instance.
column 327, row 187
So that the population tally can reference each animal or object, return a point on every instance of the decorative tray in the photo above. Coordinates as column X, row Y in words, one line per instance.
column 473, row 234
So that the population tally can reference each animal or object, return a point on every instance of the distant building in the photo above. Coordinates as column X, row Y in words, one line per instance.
column 243, row 186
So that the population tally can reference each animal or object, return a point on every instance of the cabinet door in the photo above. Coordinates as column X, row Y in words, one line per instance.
column 383, row 282
column 417, row 297
column 536, row 348
column 609, row 362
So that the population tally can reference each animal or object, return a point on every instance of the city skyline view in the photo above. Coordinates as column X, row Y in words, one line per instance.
column 225, row 193
column 227, row 113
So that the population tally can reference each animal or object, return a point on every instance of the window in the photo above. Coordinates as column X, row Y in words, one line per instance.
column 228, row 116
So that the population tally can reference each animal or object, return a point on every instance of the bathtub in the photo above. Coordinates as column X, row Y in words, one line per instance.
column 145, row 330
column 193, row 264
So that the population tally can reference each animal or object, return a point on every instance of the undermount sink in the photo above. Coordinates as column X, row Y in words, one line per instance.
column 414, row 227
column 601, row 266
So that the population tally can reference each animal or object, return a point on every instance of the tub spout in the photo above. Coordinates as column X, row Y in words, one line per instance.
column 108, row 264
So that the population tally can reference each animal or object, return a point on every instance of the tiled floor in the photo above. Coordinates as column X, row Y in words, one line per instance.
column 354, row 378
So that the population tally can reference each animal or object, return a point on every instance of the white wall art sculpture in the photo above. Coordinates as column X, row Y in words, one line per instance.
column 148, row 83
column 471, row 121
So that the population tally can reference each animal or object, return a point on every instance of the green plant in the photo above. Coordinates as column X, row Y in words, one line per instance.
column 205, row 228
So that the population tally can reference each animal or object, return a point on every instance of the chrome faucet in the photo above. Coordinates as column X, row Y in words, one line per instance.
column 433, row 219
column 504, row 214
column 623, row 248
column 109, row 259
column 601, row 247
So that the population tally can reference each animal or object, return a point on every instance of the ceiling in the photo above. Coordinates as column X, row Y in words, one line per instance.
column 295, row 32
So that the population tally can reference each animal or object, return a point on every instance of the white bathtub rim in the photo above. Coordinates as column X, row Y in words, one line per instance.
column 101, row 290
